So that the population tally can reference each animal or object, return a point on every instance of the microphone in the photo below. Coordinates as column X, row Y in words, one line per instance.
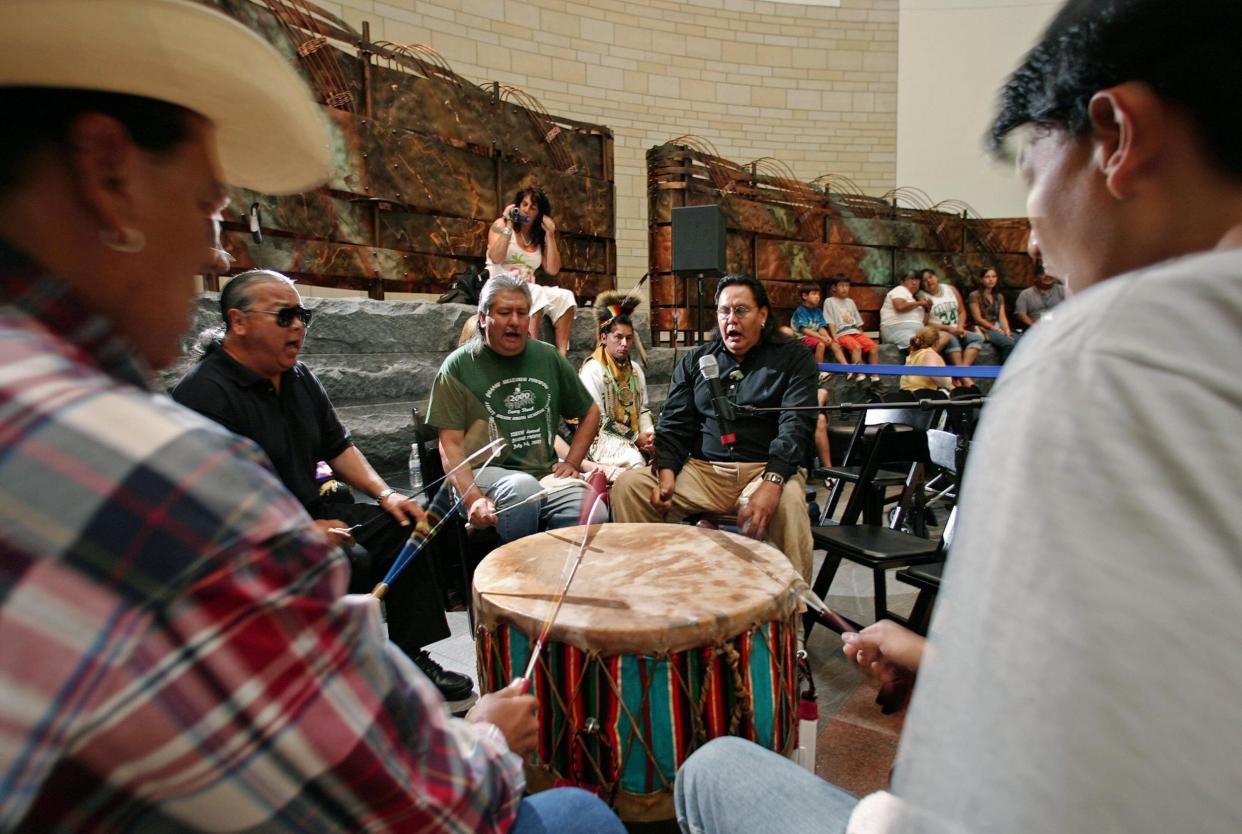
column 724, row 409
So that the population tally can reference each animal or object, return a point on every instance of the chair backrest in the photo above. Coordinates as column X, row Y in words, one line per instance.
column 890, row 443
column 918, row 418
column 947, row 450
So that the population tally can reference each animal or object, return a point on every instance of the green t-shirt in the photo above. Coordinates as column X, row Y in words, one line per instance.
column 521, row 398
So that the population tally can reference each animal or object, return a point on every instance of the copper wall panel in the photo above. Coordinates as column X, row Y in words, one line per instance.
column 422, row 158
column 801, row 232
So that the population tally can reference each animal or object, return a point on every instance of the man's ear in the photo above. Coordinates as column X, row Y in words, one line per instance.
column 237, row 321
column 1127, row 134
column 103, row 158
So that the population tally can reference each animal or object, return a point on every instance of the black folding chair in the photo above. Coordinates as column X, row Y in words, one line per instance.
column 875, row 546
column 895, row 473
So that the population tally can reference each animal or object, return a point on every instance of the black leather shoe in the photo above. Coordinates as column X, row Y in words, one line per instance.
column 452, row 685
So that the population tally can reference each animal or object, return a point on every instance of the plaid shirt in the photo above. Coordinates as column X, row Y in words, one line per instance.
column 175, row 651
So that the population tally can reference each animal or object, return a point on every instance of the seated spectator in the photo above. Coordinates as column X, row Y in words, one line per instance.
column 614, row 378
column 522, row 240
column 923, row 352
column 948, row 315
column 845, row 326
column 808, row 322
column 505, row 384
column 903, row 314
column 987, row 311
column 1037, row 300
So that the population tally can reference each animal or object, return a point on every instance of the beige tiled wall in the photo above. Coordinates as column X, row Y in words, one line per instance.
column 814, row 86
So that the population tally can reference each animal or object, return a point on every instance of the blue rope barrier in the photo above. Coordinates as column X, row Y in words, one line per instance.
column 971, row 371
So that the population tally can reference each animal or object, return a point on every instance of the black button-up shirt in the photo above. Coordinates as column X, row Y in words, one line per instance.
column 297, row 427
column 771, row 375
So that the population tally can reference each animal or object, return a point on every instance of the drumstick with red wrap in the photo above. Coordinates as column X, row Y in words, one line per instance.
column 593, row 507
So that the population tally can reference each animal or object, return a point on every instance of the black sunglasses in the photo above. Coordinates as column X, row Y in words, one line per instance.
column 284, row 316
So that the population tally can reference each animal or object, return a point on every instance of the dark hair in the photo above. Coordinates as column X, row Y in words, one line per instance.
column 839, row 278
column 605, row 327
column 911, row 275
column 739, row 279
column 545, row 210
column 1187, row 52
column 40, row 119
column 807, row 288
column 926, row 270
column 238, row 293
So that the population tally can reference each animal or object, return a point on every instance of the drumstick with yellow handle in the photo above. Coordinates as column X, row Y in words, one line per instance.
column 571, row 569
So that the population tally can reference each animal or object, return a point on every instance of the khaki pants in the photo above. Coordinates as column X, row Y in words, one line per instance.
column 704, row 486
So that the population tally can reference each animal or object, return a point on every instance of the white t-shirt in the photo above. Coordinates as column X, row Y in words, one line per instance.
column 944, row 309
column 889, row 314
column 1083, row 672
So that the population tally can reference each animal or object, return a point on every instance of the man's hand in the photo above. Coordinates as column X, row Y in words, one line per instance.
column 646, row 442
column 514, row 713
column 662, row 492
column 565, row 469
column 753, row 519
column 885, row 650
column 334, row 530
column 404, row 510
column 482, row 513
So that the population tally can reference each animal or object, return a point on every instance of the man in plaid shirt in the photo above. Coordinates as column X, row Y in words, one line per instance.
column 175, row 650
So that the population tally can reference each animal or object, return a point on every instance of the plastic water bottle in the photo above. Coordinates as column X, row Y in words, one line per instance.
column 416, row 473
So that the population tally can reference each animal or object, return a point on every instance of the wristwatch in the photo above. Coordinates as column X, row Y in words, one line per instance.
column 384, row 493
column 506, row 231
column 774, row 478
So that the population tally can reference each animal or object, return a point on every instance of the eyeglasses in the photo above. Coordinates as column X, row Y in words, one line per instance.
column 739, row 312
column 284, row 316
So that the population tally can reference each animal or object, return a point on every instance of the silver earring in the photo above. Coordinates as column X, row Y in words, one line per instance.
column 125, row 239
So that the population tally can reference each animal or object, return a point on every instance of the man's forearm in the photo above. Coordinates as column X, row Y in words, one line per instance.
column 354, row 469
column 583, row 437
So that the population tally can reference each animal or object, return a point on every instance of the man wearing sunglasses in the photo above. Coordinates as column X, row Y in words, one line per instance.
column 253, row 384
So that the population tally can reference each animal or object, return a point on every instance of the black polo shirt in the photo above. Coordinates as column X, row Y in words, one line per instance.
column 772, row 375
column 296, row 426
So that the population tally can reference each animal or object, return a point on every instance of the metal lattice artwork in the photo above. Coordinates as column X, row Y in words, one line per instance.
column 787, row 232
column 425, row 161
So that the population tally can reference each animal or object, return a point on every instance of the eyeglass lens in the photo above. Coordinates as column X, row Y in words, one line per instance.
column 284, row 316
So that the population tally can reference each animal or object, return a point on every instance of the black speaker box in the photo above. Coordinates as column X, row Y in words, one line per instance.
column 699, row 240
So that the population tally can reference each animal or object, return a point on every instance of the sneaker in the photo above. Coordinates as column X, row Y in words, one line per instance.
column 859, row 377
column 875, row 377
column 455, row 687
column 824, row 376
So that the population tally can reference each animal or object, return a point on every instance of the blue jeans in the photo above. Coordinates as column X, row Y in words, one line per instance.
column 732, row 786
column 507, row 487
column 970, row 339
column 1004, row 344
column 565, row 810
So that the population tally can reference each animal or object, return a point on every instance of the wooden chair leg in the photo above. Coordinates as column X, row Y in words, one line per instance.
column 920, row 617
column 881, row 595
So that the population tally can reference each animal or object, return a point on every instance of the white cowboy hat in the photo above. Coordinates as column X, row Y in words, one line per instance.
column 270, row 133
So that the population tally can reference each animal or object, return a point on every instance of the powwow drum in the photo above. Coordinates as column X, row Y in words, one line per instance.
column 670, row 636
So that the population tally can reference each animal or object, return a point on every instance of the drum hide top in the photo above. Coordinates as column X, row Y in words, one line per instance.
column 641, row 588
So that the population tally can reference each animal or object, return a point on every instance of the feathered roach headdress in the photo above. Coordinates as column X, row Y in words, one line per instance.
column 613, row 303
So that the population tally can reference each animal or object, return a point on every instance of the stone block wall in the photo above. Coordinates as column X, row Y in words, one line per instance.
column 377, row 360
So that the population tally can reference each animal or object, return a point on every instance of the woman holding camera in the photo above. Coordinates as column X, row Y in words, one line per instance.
column 522, row 240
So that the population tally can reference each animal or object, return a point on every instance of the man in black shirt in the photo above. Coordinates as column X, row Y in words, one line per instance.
column 760, row 474
column 253, row 384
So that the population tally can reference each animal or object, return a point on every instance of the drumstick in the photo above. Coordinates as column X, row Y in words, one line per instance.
column 893, row 693
column 357, row 528
column 572, row 568
column 413, row 546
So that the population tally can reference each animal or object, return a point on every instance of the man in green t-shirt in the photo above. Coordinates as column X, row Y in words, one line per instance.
column 503, row 384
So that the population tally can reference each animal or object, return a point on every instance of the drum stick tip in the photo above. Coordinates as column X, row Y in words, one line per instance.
column 379, row 590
